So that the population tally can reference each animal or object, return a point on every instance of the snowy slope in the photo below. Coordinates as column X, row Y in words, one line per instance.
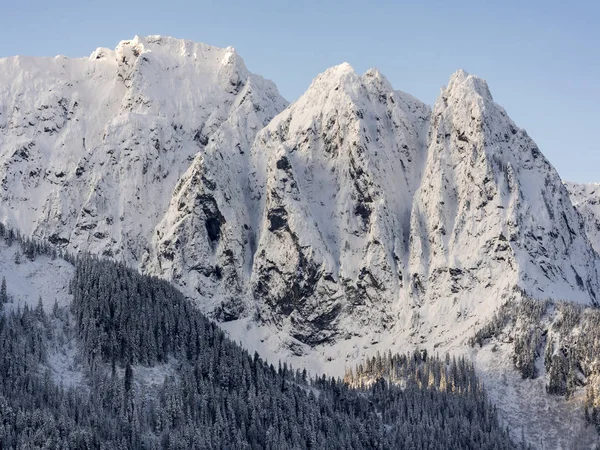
column 586, row 199
column 28, row 281
column 47, row 279
column 547, row 422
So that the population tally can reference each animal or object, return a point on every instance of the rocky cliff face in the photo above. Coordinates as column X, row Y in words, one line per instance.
column 491, row 214
column 92, row 150
column 356, row 209
column 376, row 213
column 335, row 174
column 586, row 199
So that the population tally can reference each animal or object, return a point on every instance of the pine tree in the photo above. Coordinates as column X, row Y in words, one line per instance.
column 55, row 309
column 39, row 310
column 128, row 380
column 3, row 293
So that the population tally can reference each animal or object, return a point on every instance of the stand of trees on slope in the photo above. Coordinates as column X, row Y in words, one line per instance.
column 215, row 395
column 564, row 334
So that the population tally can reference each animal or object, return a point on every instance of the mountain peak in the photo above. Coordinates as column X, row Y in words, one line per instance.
column 342, row 68
column 333, row 77
column 376, row 78
column 461, row 82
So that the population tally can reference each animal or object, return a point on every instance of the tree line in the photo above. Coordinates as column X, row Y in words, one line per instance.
column 565, row 335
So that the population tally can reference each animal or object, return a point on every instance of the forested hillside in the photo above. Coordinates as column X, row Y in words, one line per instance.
column 213, row 394
column 559, row 341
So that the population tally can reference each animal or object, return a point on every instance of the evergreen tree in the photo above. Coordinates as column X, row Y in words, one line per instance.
column 3, row 293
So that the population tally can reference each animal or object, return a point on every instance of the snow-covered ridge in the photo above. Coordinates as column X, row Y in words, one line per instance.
column 338, row 169
column 355, row 215
column 93, row 148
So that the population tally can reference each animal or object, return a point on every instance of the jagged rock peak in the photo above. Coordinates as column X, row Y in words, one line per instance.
column 488, row 179
column 336, row 172
column 178, row 47
column 461, row 82
column 373, row 77
column 339, row 90
column 335, row 74
column 152, row 53
column 344, row 80
column 109, row 138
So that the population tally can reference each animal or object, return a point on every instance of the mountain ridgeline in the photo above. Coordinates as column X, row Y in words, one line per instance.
column 207, row 392
column 356, row 209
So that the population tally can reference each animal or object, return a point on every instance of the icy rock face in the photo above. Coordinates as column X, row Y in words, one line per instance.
column 491, row 213
column 204, row 241
column 375, row 213
column 356, row 210
column 586, row 199
column 334, row 178
column 91, row 150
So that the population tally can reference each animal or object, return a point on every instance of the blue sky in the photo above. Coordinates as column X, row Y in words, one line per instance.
column 541, row 59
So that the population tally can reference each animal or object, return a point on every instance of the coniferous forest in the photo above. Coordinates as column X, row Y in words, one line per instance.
column 214, row 395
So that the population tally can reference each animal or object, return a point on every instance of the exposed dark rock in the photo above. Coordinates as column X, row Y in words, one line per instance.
column 211, row 185
column 213, row 228
column 363, row 211
column 455, row 272
column 200, row 138
column 55, row 239
column 22, row 153
column 228, row 310
column 284, row 163
column 213, row 219
column 168, row 255
column 88, row 226
column 277, row 218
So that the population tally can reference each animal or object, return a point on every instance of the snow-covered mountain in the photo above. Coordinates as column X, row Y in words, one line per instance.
column 491, row 213
column 586, row 199
column 334, row 179
column 356, row 219
column 356, row 211
column 376, row 214
column 93, row 149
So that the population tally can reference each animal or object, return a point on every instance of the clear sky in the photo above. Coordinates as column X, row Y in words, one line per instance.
column 541, row 58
